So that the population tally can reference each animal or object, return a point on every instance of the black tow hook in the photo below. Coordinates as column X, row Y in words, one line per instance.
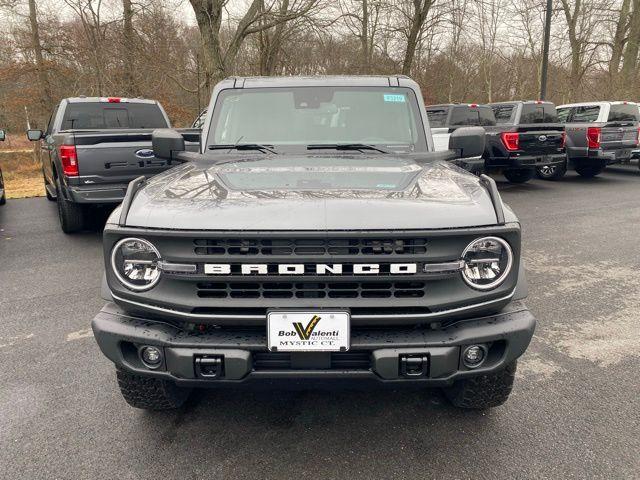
column 209, row 366
column 414, row 365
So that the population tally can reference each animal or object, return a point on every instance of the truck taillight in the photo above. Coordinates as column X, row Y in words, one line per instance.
column 593, row 137
column 69, row 160
column 511, row 140
column 563, row 139
column 638, row 138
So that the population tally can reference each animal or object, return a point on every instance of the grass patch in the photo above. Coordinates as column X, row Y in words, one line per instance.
column 22, row 173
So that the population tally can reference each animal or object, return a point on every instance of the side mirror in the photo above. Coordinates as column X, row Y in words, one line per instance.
column 467, row 142
column 3, row 135
column 166, row 143
column 34, row 135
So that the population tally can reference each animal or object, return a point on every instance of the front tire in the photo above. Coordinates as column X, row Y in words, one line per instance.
column 551, row 172
column 150, row 393
column 519, row 175
column 484, row 391
column 589, row 171
column 71, row 215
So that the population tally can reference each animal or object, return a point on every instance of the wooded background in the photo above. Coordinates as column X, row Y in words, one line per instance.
column 458, row 50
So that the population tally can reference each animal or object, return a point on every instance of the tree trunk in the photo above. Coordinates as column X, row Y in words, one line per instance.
column 420, row 12
column 130, row 84
column 619, row 39
column 630, row 62
column 364, row 38
column 46, row 98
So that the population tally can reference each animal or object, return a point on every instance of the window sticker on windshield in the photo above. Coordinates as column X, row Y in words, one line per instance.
column 389, row 97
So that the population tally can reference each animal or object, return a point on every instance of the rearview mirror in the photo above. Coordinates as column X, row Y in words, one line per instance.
column 2, row 135
column 166, row 143
column 467, row 142
column 34, row 135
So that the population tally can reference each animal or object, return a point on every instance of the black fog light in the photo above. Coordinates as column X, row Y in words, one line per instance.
column 473, row 356
column 151, row 356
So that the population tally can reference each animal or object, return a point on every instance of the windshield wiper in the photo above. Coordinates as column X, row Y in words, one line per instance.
column 244, row 146
column 345, row 146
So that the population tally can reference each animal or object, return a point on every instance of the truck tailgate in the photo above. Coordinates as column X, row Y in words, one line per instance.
column 117, row 157
column 543, row 139
column 616, row 136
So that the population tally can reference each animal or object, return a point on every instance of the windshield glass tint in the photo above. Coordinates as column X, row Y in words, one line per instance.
column 585, row 114
column 437, row 117
column 304, row 116
column 624, row 113
column 504, row 113
column 100, row 116
column 538, row 113
column 472, row 116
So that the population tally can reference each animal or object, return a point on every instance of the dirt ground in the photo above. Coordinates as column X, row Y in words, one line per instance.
column 22, row 172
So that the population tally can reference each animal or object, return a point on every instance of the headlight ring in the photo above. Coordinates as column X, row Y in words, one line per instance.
column 487, row 262
column 134, row 261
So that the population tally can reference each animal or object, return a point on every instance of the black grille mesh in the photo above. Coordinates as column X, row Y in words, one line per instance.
column 311, row 289
column 311, row 246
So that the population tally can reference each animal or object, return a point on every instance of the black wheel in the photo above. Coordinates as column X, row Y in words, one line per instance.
column 589, row 171
column 150, row 393
column 551, row 172
column 71, row 214
column 484, row 391
column 519, row 175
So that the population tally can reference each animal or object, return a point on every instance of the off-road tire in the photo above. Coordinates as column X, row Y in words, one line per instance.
column 589, row 171
column 519, row 175
column 484, row 391
column 71, row 215
column 150, row 393
column 551, row 172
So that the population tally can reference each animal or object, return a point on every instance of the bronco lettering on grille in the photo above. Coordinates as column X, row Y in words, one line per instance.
column 314, row 269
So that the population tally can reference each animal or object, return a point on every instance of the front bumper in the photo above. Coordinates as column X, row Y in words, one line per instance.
column 526, row 161
column 375, row 354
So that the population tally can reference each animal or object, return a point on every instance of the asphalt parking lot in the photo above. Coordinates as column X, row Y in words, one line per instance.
column 574, row 413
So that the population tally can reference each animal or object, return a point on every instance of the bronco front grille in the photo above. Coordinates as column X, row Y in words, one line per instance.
column 311, row 246
column 407, row 289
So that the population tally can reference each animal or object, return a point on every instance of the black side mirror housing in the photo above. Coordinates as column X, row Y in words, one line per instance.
column 34, row 135
column 467, row 142
column 167, row 143
column 3, row 135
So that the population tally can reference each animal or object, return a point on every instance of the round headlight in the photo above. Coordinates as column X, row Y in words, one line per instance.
column 487, row 262
column 135, row 263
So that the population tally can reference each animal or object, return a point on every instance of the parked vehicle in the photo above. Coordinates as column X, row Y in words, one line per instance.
column 93, row 147
column 317, row 234
column 445, row 119
column 528, row 136
column 3, row 194
column 598, row 134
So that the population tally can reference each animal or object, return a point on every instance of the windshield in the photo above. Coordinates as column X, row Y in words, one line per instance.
column 301, row 116
column 102, row 116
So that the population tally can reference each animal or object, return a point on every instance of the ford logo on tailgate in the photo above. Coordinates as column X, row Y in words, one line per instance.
column 144, row 153
column 542, row 138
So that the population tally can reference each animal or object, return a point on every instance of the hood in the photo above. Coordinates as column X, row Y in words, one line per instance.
column 312, row 192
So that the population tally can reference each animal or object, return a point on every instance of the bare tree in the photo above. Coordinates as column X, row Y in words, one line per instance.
column 219, row 59
column 128, row 36
column 630, row 62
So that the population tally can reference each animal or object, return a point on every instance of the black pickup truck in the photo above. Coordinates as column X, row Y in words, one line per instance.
column 520, row 135
column 93, row 147
column 528, row 136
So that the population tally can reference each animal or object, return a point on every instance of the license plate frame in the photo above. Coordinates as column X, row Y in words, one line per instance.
column 331, row 332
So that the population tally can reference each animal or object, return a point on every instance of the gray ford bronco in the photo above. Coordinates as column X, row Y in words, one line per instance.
column 317, row 235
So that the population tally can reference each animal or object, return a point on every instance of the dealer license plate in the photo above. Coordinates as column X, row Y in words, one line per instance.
column 308, row 331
